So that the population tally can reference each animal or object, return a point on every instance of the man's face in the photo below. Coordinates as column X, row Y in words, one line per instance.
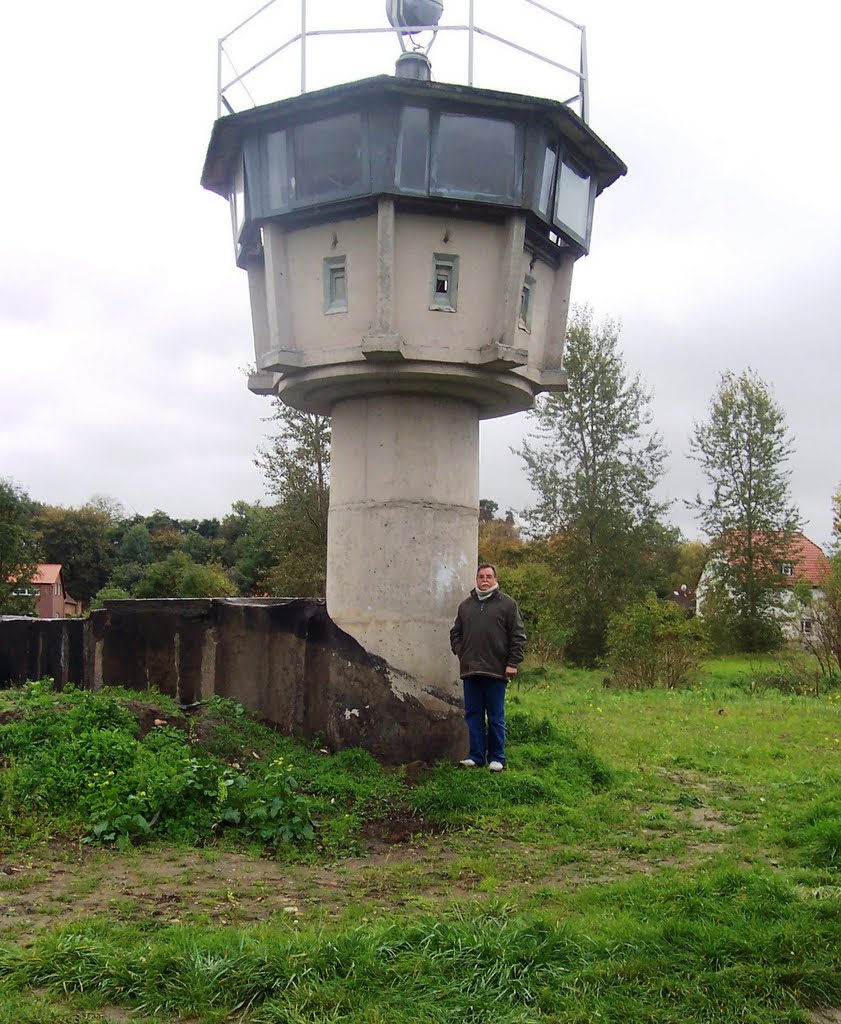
column 485, row 579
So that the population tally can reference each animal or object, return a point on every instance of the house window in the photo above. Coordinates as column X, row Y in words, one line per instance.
column 334, row 274
column 444, row 289
column 787, row 569
column 806, row 626
column 526, row 300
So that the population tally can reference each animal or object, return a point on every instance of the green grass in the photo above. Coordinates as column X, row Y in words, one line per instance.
column 654, row 856
column 730, row 946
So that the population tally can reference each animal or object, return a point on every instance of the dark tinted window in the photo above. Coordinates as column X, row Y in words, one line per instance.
column 572, row 199
column 476, row 156
column 549, row 157
column 412, row 149
column 278, row 170
column 329, row 158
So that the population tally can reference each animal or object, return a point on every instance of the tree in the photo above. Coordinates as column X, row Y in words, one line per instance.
column 594, row 464
column 179, row 576
column 78, row 539
column 487, row 510
column 18, row 550
column 296, row 462
column 136, row 546
column 823, row 607
column 836, row 515
column 246, row 537
column 111, row 507
column 500, row 542
column 742, row 448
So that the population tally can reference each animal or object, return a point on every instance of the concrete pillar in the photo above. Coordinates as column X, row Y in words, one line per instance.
column 403, row 532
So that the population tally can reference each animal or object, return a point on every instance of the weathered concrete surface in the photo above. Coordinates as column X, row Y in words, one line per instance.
column 35, row 648
column 297, row 668
column 284, row 659
column 155, row 643
column 403, row 530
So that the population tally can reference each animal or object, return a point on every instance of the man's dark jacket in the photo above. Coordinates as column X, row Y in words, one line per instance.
column 488, row 635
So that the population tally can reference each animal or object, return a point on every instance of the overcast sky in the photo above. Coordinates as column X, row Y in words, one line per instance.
column 125, row 323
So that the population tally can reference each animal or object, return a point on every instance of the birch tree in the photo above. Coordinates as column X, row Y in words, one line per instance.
column 747, row 511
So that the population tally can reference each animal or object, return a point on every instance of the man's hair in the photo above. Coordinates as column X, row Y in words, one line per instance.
column 486, row 565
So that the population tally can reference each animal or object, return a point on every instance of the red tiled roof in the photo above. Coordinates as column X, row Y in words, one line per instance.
column 47, row 573
column 809, row 562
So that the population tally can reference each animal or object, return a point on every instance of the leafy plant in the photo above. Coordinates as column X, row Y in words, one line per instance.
column 77, row 756
column 653, row 643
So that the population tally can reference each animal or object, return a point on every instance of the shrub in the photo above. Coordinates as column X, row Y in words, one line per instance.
column 110, row 592
column 653, row 643
column 531, row 586
column 76, row 756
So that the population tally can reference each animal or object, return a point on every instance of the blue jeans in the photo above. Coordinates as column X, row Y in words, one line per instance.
column 484, row 695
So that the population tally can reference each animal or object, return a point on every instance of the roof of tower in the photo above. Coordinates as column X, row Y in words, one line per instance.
column 228, row 132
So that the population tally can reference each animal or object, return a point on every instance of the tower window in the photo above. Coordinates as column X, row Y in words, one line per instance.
column 444, row 291
column 526, row 302
column 335, row 284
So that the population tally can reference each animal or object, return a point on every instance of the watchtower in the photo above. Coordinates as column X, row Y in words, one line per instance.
column 409, row 246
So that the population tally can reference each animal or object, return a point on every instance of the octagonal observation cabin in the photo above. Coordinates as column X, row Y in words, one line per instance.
column 402, row 235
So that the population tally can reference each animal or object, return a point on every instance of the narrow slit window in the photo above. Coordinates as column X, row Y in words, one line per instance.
column 444, row 291
column 335, row 284
column 526, row 303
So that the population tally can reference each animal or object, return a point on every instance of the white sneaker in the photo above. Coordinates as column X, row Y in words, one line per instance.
column 496, row 766
column 468, row 762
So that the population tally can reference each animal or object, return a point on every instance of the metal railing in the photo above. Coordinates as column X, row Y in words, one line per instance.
column 303, row 35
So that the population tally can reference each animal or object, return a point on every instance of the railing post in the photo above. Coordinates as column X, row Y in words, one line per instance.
column 218, row 78
column 470, row 44
column 303, row 46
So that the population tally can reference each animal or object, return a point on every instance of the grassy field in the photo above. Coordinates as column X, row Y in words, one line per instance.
column 656, row 856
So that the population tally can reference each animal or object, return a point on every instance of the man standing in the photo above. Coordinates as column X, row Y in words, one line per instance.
column 489, row 641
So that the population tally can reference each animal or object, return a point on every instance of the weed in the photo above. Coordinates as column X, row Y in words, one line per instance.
column 76, row 756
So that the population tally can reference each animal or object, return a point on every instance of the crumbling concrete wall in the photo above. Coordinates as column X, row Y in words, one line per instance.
column 284, row 659
column 36, row 648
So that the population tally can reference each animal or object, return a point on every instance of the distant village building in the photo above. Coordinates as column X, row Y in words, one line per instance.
column 52, row 601
column 804, row 562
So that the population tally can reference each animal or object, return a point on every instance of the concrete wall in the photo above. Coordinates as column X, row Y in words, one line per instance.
column 284, row 659
column 34, row 648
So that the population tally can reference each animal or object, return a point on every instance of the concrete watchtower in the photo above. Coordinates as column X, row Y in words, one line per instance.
column 409, row 247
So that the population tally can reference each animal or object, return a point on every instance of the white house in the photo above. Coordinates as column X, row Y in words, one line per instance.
column 804, row 562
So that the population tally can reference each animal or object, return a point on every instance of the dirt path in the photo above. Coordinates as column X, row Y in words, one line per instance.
column 62, row 882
